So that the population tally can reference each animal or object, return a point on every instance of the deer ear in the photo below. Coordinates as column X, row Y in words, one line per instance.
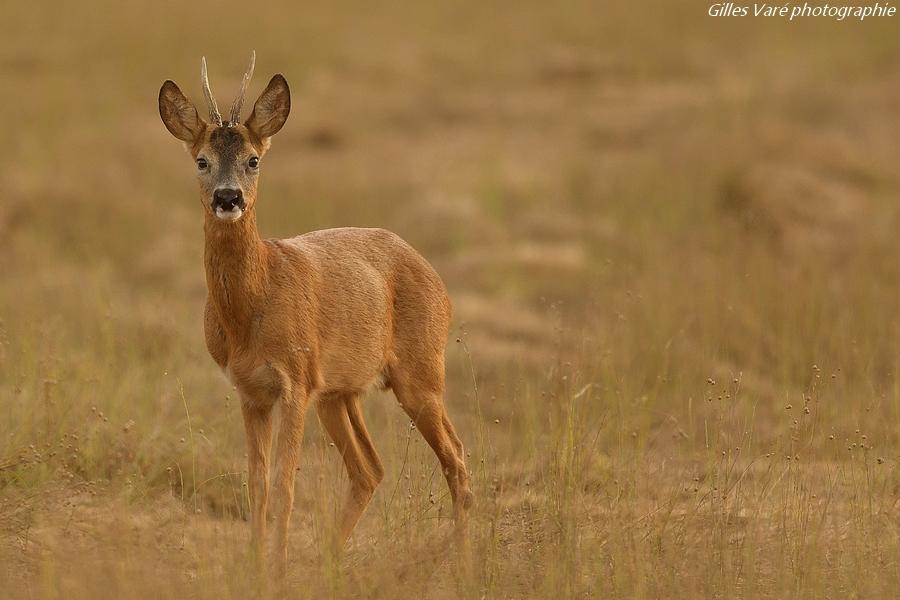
column 271, row 109
column 178, row 114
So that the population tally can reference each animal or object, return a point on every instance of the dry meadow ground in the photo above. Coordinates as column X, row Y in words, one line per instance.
column 671, row 242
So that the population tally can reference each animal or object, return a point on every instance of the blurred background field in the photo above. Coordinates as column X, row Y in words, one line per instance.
column 670, row 240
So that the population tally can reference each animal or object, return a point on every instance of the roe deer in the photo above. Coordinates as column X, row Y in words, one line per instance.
column 319, row 318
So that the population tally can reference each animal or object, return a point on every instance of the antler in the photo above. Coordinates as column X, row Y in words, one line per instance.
column 214, row 115
column 239, row 101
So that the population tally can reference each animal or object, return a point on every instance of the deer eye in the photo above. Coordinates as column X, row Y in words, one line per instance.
column 253, row 162
column 202, row 164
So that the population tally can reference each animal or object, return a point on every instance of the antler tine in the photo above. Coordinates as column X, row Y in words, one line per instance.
column 214, row 115
column 245, row 83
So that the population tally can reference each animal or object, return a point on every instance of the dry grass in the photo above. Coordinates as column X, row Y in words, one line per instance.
column 671, row 243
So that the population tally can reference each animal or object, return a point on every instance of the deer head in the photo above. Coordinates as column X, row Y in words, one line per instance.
column 227, row 153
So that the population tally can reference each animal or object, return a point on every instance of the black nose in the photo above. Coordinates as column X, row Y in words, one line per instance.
column 228, row 198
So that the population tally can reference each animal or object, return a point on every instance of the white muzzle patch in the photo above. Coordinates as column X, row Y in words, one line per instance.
column 229, row 215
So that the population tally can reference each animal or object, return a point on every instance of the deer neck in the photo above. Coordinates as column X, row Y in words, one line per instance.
column 236, row 272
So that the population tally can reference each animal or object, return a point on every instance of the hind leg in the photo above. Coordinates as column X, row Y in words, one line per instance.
column 341, row 416
column 424, row 404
